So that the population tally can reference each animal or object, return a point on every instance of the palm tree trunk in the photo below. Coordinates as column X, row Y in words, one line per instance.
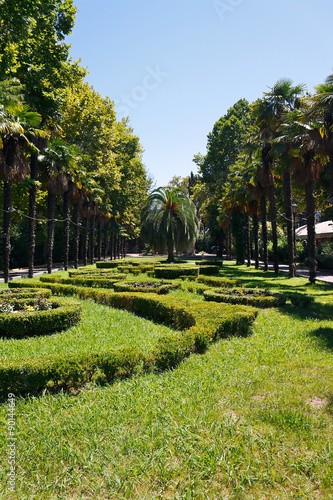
column 7, row 195
column 111, row 245
column 66, row 211
column 272, row 213
column 118, row 247
column 263, row 203
column 290, row 222
column 99, row 241
column 92, row 239
column 32, row 215
column 256, row 240
column 114, row 246
column 76, row 235
column 311, row 221
column 50, row 230
column 85, row 240
column 41, row 143
column 248, row 240
column 106, row 242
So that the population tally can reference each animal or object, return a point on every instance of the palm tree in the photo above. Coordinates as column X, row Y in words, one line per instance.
column 16, row 123
column 169, row 220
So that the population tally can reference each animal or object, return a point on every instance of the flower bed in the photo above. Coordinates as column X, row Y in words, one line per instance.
column 246, row 296
column 38, row 316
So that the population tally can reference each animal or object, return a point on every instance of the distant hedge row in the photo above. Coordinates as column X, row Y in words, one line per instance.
column 198, row 324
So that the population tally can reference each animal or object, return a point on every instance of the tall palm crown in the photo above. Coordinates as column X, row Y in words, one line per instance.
column 169, row 220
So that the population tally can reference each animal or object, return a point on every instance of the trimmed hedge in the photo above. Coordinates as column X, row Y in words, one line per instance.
column 63, row 315
column 246, row 296
column 107, row 264
column 209, row 262
column 217, row 281
column 199, row 323
column 98, row 282
column 209, row 270
column 170, row 272
column 145, row 287
column 26, row 293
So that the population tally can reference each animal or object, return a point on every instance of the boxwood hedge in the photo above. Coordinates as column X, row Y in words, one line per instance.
column 95, row 282
column 150, row 286
column 217, row 281
column 198, row 324
column 246, row 296
column 170, row 272
column 63, row 315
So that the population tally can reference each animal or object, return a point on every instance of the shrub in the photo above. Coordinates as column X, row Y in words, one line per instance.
column 217, row 281
column 107, row 264
column 170, row 272
column 95, row 282
column 63, row 315
column 246, row 296
column 199, row 323
column 25, row 293
column 145, row 287
column 209, row 262
column 300, row 299
column 209, row 270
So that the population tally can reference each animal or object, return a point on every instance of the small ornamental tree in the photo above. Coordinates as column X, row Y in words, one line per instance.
column 169, row 221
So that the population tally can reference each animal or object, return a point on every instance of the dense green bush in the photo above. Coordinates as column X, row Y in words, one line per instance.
column 150, row 286
column 95, row 282
column 209, row 270
column 170, row 272
column 246, row 296
column 200, row 323
column 300, row 299
column 23, row 293
column 62, row 315
column 217, row 281
column 209, row 262
column 107, row 264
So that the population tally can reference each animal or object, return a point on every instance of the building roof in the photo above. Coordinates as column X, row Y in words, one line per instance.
column 324, row 230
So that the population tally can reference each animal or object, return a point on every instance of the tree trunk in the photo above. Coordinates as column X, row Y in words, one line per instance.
column 106, row 242
column 76, row 235
column 85, row 240
column 92, row 239
column 41, row 143
column 264, row 230
column 125, row 246
column 256, row 240
column 272, row 213
column 114, row 246
column 171, row 257
column 290, row 222
column 311, row 221
column 7, row 195
column 66, row 210
column 248, row 240
column 118, row 247
column 50, row 231
column 32, row 215
column 99, row 241
column 111, row 245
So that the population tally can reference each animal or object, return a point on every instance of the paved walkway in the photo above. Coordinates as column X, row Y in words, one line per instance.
column 322, row 275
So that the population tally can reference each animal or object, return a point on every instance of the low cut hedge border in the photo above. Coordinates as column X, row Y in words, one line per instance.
column 170, row 272
column 95, row 282
column 217, row 281
column 63, row 315
column 209, row 270
column 246, row 296
column 134, row 286
column 25, row 293
column 199, row 323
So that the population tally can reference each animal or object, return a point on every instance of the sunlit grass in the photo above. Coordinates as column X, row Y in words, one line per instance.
column 251, row 419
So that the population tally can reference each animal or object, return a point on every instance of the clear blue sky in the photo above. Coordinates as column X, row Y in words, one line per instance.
column 176, row 66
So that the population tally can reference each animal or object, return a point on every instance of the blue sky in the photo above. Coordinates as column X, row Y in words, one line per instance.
column 175, row 67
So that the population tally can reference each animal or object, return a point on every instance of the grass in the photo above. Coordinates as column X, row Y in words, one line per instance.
column 250, row 419
column 100, row 329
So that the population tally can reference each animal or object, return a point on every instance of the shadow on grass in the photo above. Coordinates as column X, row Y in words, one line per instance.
column 325, row 338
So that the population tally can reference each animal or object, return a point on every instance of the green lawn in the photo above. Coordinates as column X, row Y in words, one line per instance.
column 250, row 419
